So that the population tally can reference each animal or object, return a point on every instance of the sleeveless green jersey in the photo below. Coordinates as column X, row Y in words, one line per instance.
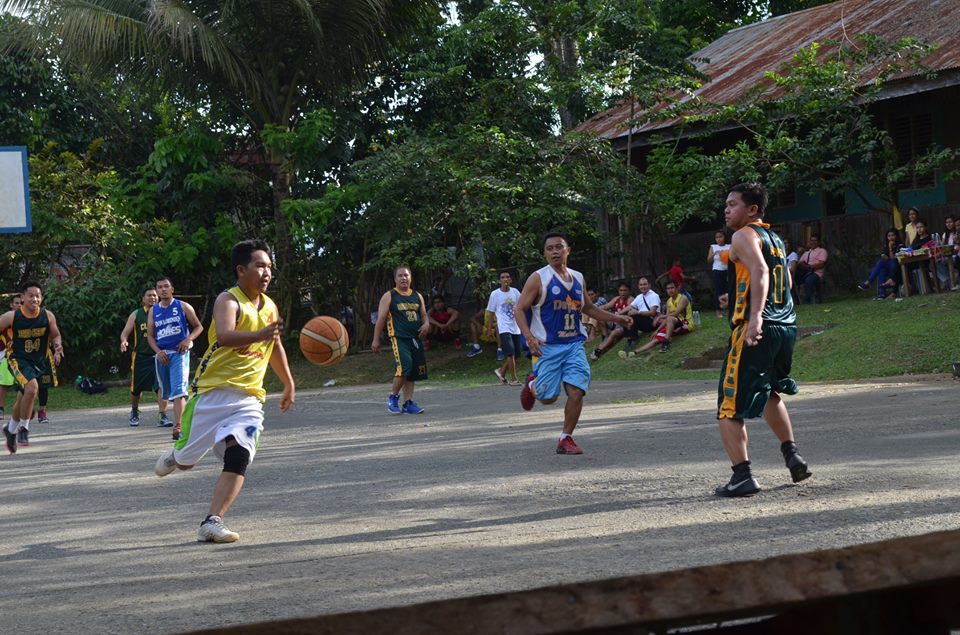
column 140, row 345
column 30, row 336
column 404, row 319
column 778, row 308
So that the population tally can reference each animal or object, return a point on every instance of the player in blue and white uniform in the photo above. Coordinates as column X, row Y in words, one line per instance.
column 555, row 296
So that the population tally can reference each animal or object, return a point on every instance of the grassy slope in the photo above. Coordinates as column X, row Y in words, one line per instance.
column 869, row 339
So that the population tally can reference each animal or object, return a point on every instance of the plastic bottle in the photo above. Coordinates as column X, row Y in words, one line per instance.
column 696, row 318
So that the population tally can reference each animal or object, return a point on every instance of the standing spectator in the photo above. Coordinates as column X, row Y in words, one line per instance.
column 948, row 243
column 717, row 257
column 910, row 230
column 501, row 304
column 810, row 270
column 886, row 271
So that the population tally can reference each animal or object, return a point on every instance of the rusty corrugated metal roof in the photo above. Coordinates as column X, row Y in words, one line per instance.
column 736, row 62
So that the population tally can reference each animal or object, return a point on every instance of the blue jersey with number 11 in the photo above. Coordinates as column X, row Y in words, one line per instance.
column 555, row 318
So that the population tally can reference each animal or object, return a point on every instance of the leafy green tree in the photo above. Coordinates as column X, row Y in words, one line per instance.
column 267, row 60
column 810, row 125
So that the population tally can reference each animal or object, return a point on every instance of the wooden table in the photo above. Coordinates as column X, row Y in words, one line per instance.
column 930, row 263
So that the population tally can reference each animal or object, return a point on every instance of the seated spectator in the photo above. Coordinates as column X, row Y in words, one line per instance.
column 644, row 308
column 886, row 271
column 620, row 302
column 717, row 257
column 810, row 270
column 678, row 320
column 926, row 241
column 594, row 327
column 444, row 324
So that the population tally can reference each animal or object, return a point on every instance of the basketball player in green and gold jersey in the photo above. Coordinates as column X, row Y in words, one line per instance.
column 404, row 313
column 225, row 411
column 143, row 372
column 34, row 329
column 756, row 370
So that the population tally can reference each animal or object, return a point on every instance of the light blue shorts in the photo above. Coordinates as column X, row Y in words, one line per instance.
column 173, row 377
column 561, row 364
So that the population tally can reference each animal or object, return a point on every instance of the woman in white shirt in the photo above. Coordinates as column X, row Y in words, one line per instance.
column 717, row 257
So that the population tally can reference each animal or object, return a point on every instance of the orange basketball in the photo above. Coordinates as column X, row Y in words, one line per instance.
column 324, row 340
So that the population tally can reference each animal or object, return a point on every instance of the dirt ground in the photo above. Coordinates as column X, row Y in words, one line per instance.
column 349, row 508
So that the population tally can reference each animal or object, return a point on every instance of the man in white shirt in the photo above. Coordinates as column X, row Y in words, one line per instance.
column 644, row 308
column 501, row 305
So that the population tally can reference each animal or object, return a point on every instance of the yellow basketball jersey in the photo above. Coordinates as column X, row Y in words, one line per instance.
column 239, row 368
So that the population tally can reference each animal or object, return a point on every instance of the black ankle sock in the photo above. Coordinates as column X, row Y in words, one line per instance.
column 742, row 469
column 787, row 448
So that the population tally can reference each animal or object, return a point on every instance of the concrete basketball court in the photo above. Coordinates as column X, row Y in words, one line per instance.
column 348, row 508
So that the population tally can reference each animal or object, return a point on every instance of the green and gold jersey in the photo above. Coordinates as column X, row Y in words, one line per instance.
column 778, row 307
column 405, row 318
column 30, row 336
column 141, row 347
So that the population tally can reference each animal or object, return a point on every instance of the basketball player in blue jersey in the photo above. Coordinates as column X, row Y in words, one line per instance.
column 555, row 296
column 172, row 327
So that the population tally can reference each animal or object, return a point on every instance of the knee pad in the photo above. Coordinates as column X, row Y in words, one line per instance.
column 236, row 458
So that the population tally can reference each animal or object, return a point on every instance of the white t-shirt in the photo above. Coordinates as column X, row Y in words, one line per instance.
column 792, row 258
column 718, row 264
column 501, row 304
column 648, row 301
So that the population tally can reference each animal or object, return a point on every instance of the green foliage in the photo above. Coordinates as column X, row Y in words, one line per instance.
column 808, row 126
column 476, row 198
column 91, row 309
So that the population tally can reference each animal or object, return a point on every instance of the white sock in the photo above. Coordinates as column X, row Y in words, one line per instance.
column 25, row 424
column 564, row 436
column 12, row 426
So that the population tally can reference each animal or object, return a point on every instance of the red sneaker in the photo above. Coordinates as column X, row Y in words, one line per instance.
column 457, row 344
column 527, row 398
column 567, row 446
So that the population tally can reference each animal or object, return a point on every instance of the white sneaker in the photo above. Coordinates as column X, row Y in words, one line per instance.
column 213, row 530
column 165, row 464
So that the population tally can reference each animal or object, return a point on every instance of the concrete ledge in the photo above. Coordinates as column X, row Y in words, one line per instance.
column 906, row 585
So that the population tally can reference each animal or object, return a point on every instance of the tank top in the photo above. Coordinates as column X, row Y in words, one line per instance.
column 778, row 308
column 30, row 337
column 404, row 319
column 686, row 315
column 555, row 318
column 719, row 262
column 169, row 325
column 141, row 347
column 238, row 368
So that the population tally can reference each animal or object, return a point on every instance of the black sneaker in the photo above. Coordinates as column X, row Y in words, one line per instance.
column 798, row 468
column 739, row 487
column 664, row 346
column 11, row 439
column 23, row 437
column 595, row 355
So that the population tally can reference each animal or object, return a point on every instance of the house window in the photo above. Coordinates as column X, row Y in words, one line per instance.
column 785, row 198
column 912, row 136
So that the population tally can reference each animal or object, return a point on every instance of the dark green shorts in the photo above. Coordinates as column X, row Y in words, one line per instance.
column 408, row 354
column 143, row 374
column 751, row 373
column 24, row 370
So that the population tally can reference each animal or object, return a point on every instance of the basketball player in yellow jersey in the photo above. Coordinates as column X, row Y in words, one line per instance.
column 225, row 411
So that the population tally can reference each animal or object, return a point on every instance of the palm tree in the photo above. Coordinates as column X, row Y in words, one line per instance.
column 270, row 59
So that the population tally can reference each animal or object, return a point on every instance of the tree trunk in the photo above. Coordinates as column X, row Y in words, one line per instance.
column 287, row 280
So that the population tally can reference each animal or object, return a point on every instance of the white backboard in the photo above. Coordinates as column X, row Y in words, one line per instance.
column 14, row 191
